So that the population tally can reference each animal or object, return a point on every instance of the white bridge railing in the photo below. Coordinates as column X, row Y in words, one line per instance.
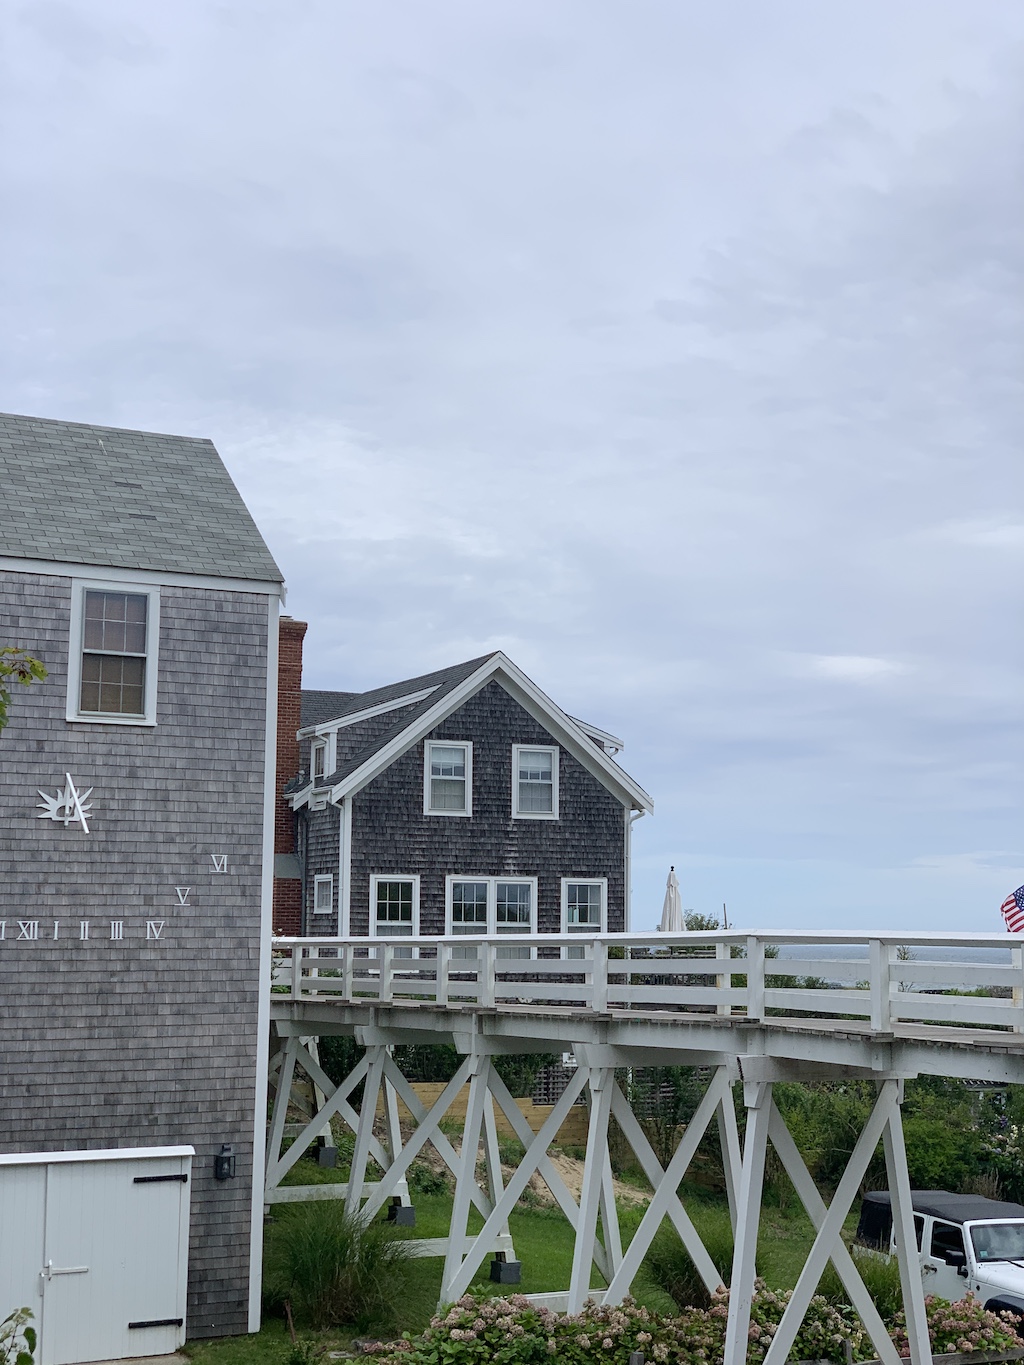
column 963, row 980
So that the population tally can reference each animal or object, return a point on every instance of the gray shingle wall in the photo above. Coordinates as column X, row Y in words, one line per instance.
column 390, row 833
column 134, row 1042
column 133, row 499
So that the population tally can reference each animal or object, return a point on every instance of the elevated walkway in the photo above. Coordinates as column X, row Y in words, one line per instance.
column 868, row 1006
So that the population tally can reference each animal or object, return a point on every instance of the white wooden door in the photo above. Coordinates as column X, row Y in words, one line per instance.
column 96, row 1244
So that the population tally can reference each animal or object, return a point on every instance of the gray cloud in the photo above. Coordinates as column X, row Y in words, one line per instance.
column 674, row 349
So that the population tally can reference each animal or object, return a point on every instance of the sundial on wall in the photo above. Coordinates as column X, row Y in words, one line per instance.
column 69, row 805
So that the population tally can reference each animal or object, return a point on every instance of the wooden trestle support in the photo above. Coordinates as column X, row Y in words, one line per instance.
column 593, row 1217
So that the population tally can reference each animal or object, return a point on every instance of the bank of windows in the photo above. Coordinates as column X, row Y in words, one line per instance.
column 534, row 782
column 112, row 661
column 487, row 906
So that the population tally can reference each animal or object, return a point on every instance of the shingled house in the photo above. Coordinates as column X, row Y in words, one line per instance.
column 136, row 813
column 464, row 801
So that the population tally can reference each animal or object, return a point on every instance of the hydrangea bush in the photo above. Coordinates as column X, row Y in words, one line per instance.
column 962, row 1326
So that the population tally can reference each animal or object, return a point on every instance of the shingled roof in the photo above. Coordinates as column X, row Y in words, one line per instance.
column 83, row 494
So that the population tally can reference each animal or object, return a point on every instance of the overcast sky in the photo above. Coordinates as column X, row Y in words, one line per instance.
column 674, row 348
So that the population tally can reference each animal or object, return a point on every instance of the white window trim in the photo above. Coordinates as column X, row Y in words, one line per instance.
column 448, row 744
column 602, row 882
column 79, row 587
column 375, row 879
column 319, row 880
column 554, row 751
column 491, row 929
column 318, row 745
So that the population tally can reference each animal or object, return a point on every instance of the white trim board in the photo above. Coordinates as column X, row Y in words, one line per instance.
column 159, row 577
column 104, row 1154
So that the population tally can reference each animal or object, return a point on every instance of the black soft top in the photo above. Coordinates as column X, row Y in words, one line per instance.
column 876, row 1211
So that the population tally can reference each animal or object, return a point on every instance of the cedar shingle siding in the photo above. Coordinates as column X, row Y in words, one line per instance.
column 390, row 833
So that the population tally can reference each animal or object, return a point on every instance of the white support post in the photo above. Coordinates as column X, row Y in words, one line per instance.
column 296, row 973
column 881, row 1020
column 903, row 1226
column 312, row 1049
column 444, row 968
column 829, row 1234
column 602, row 1080
column 755, row 977
column 459, row 1225
column 284, row 1090
column 364, row 1133
column 741, row 1289
column 348, row 957
column 796, row 1169
column 732, row 1159
column 386, row 955
column 599, row 976
column 610, row 1231
column 723, row 953
column 665, row 1200
column 485, row 975
column 492, row 1156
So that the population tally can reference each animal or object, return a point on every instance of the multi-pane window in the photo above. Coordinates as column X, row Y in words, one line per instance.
column 394, row 902
column 534, row 782
column 114, row 640
column 492, row 905
column 318, row 758
column 323, row 895
column 584, row 907
column 449, row 775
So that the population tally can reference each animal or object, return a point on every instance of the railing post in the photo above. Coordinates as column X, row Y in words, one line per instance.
column 881, row 1017
column 444, row 967
column 755, row 977
column 297, row 952
column 348, row 962
column 1017, row 960
column 599, row 977
column 723, row 953
column 485, row 973
column 386, row 953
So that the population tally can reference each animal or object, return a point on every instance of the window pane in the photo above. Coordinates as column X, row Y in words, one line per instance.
column 394, row 906
column 469, row 907
column 534, row 765
column 323, row 893
column 113, row 685
column 513, row 908
column 447, row 793
column 447, row 762
column 583, row 906
column 319, row 759
column 116, row 621
column 535, row 797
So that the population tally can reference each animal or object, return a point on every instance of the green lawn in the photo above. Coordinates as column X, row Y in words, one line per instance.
column 543, row 1242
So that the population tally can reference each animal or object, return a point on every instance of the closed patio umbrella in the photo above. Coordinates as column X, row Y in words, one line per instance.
column 672, row 911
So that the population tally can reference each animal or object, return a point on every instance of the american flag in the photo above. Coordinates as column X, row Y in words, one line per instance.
column 1012, row 910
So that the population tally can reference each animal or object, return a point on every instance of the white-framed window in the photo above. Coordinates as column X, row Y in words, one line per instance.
column 323, row 894
column 394, row 906
column 447, row 777
column 483, row 906
column 584, row 905
column 534, row 782
column 112, row 661
column 318, row 758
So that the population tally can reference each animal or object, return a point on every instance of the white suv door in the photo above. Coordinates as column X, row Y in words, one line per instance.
column 941, row 1278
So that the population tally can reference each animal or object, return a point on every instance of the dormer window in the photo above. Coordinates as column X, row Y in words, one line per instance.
column 534, row 782
column 448, row 778
column 318, row 758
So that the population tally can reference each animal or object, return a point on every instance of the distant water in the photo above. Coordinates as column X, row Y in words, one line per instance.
column 858, row 952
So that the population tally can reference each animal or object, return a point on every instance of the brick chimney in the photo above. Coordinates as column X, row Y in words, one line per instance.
column 287, row 874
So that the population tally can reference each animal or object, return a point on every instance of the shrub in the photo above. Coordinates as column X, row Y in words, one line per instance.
column 333, row 1268
column 961, row 1326
column 881, row 1279
column 17, row 1338
column 673, row 1270
column 423, row 1179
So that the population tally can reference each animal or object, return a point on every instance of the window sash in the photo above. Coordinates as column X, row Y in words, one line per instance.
column 323, row 895
column 535, row 781
column 112, row 681
column 319, row 764
column 394, row 907
column 448, row 768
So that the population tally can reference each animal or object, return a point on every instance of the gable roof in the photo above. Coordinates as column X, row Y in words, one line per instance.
column 450, row 688
column 82, row 494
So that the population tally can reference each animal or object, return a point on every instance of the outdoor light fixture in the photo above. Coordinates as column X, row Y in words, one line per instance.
column 224, row 1163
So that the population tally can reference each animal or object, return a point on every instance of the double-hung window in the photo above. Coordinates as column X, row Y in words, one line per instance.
column 112, row 664
column 534, row 782
column 318, row 758
column 485, row 906
column 448, row 778
column 584, row 909
column 395, row 906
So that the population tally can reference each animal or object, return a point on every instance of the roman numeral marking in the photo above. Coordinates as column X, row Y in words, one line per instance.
column 220, row 862
column 28, row 929
column 117, row 928
column 183, row 894
column 83, row 929
column 154, row 928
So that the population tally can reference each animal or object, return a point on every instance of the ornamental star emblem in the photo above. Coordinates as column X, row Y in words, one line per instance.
column 69, row 805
